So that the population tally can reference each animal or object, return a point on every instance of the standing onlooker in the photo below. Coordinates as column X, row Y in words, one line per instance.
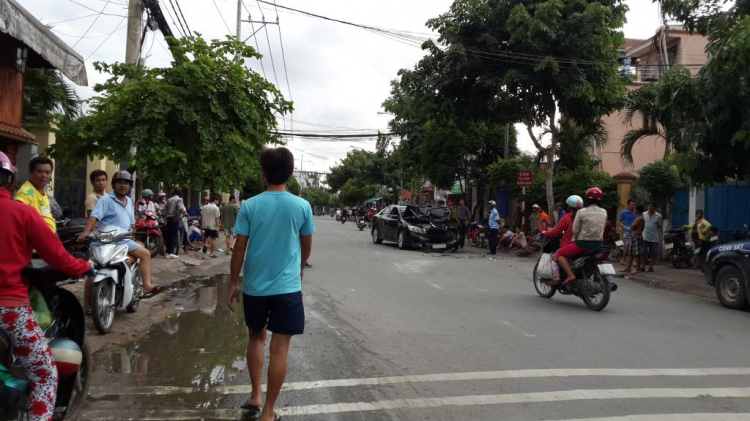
column 636, row 244
column 534, row 220
column 182, row 235
column 464, row 217
column 281, row 226
column 228, row 217
column 173, row 214
column 98, row 179
column 558, row 214
column 494, row 224
column 653, row 222
column 543, row 219
column 210, row 216
column 624, row 221
column 34, row 191
column 699, row 234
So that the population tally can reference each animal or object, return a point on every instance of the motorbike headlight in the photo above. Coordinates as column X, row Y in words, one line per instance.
column 106, row 237
column 416, row 230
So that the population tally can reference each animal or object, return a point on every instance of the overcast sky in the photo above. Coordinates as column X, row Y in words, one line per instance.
column 338, row 75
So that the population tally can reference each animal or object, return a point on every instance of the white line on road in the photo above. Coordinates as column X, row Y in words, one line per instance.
column 444, row 377
column 472, row 400
column 673, row 417
column 434, row 285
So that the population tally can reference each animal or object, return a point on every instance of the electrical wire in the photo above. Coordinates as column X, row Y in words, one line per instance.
column 183, row 31
column 270, row 54
column 176, row 25
column 257, row 45
column 94, row 10
column 183, row 17
column 118, row 27
column 70, row 20
column 221, row 16
column 92, row 24
column 283, row 58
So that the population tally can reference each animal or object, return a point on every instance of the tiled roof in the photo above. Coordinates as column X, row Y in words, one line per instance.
column 16, row 132
column 631, row 42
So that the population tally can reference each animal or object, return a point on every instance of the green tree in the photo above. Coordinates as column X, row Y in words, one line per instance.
column 293, row 187
column 720, row 136
column 660, row 180
column 535, row 62
column 360, row 164
column 356, row 191
column 199, row 122
column 659, row 102
column 47, row 98
column 317, row 196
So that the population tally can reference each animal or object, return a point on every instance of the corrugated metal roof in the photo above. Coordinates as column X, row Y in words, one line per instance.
column 23, row 26
column 17, row 133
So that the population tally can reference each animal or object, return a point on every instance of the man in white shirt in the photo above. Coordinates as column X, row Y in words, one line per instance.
column 653, row 222
column 210, row 223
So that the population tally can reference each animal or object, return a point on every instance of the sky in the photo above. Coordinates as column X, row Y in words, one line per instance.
column 337, row 75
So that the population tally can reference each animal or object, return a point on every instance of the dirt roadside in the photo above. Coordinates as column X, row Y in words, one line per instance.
column 171, row 273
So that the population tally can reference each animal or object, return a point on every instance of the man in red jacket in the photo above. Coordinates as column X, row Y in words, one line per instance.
column 23, row 231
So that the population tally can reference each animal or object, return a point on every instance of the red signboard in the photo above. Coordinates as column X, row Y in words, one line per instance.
column 523, row 178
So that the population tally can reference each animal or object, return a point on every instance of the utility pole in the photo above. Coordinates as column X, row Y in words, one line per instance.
column 239, row 19
column 133, row 41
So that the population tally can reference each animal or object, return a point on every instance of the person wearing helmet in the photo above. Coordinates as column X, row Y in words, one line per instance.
column 564, row 230
column 588, row 231
column 25, row 230
column 146, row 204
column 116, row 209
column 161, row 201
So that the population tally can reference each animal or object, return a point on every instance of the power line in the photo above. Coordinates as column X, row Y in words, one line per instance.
column 176, row 25
column 92, row 24
column 94, row 10
column 257, row 45
column 283, row 58
column 221, row 16
column 183, row 17
column 70, row 20
column 119, row 26
column 181, row 28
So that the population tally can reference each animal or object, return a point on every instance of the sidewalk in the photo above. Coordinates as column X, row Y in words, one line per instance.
column 665, row 276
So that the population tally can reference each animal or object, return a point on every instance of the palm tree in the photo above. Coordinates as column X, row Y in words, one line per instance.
column 48, row 98
column 667, row 107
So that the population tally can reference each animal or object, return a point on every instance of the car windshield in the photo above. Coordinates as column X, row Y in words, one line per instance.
column 425, row 214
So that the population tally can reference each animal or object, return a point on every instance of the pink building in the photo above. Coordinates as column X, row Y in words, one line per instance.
column 647, row 62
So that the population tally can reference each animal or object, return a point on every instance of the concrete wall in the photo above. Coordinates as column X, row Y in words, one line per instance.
column 646, row 151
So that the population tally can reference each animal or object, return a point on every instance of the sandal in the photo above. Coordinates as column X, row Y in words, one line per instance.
column 252, row 408
column 154, row 292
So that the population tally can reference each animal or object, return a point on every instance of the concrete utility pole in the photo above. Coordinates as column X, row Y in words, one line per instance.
column 239, row 19
column 133, row 41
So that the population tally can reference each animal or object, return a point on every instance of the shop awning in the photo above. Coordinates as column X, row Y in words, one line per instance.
column 47, row 50
column 373, row 200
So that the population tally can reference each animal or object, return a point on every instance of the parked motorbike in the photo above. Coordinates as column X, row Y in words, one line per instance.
column 680, row 249
column 118, row 283
column 593, row 284
column 65, row 336
column 68, row 230
column 477, row 234
column 148, row 232
column 616, row 247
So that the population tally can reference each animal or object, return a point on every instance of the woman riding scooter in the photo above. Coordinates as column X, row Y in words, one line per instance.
column 564, row 230
column 588, row 231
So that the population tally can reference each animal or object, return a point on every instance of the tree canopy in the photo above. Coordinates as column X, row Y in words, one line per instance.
column 47, row 98
column 200, row 122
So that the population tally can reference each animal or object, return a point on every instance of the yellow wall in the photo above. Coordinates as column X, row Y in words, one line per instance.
column 44, row 139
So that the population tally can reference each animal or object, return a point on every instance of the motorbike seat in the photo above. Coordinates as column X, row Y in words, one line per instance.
column 39, row 271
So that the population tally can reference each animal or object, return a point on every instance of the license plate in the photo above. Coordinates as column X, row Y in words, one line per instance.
column 606, row 269
column 439, row 246
column 668, row 246
column 619, row 243
column 481, row 235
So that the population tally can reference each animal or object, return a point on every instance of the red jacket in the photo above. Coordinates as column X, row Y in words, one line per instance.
column 23, row 231
column 564, row 227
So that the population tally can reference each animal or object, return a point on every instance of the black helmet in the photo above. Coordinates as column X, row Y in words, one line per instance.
column 122, row 175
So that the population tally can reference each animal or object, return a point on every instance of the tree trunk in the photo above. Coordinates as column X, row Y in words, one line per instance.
column 550, row 173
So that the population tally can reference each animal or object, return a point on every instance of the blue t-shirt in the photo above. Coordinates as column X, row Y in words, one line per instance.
column 627, row 218
column 494, row 216
column 109, row 211
column 273, row 222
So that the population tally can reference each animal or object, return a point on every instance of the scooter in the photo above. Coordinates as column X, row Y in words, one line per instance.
column 65, row 335
column 594, row 280
column 148, row 232
column 68, row 230
column 680, row 249
column 361, row 224
column 118, row 283
column 616, row 247
column 477, row 234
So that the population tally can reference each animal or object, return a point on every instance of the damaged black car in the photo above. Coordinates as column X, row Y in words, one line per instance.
column 416, row 227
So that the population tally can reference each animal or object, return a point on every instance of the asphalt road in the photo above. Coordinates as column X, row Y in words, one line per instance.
column 403, row 335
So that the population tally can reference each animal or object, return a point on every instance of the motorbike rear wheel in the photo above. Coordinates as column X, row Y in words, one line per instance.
column 103, row 305
column 676, row 260
column 81, row 386
column 154, row 244
column 474, row 242
column 597, row 301
column 542, row 288
column 615, row 254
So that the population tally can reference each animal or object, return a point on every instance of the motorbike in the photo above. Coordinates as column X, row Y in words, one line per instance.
column 68, row 230
column 118, row 282
column 680, row 249
column 477, row 234
column 616, row 247
column 342, row 219
column 66, row 339
column 361, row 224
column 593, row 284
column 147, row 231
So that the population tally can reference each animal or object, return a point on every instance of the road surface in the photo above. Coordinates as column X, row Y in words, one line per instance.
column 402, row 335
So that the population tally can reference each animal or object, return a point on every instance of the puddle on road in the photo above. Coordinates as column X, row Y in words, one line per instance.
column 200, row 347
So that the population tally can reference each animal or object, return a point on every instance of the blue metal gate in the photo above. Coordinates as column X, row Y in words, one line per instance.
column 728, row 207
column 681, row 208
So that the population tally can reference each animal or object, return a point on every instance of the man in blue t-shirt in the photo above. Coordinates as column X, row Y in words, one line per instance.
column 274, row 240
column 494, row 225
column 624, row 221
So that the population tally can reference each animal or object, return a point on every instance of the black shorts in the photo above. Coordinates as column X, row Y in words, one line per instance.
column 211, row 233
column 284, row 313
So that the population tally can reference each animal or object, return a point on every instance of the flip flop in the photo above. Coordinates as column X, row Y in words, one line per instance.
column 247, row 407
column 154, row 292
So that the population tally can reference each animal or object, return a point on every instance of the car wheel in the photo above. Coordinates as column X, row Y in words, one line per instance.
column 376, row 236
column 731, row 288
column 403, row 242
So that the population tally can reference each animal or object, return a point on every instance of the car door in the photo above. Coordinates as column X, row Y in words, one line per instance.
column 392, row 223
column 381, row 221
